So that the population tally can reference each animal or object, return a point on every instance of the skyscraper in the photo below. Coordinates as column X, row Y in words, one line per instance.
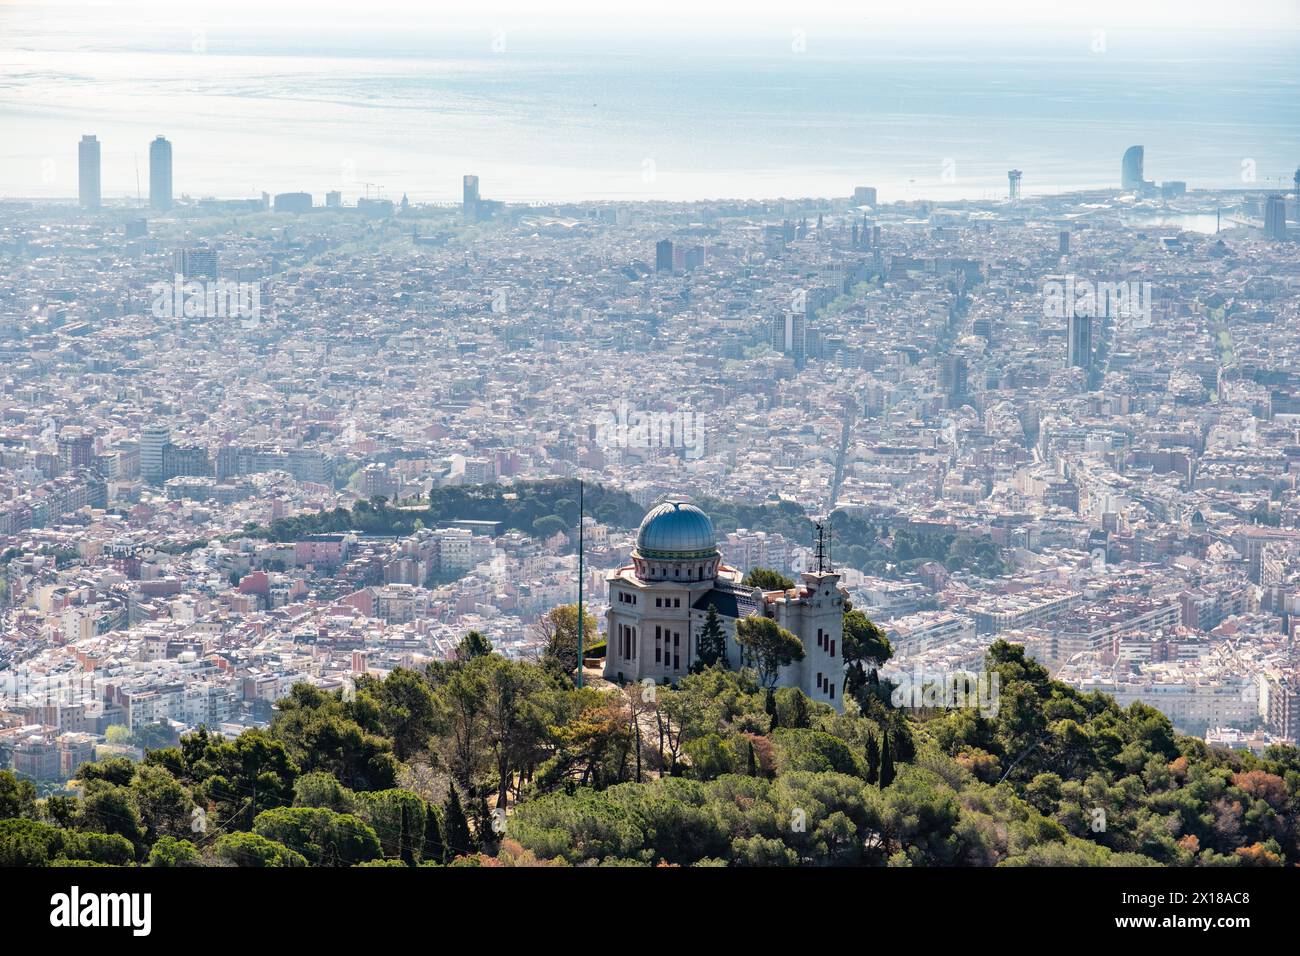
column 469, row 201
column 88, row 172
column 153, row 440
column 664, row 255
column 1013, row 181
column 1131, row 168
column 1065, row 242
column 1079, row 347
column 160, row 174
column 954, row 376
column 1275, row 216
column 789, row 335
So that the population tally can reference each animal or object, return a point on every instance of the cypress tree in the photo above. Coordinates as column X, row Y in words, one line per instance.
column 886, row 762
column 799, row 709
column 456, row 837
column 483, row 824
column 769, row 705
column 873, row 759
column 711, row 648
column 904, row 748
column 433, row 846
column 406, row 844
column 751, row 763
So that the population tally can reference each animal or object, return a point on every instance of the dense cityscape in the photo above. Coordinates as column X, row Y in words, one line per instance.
column 1069, row 422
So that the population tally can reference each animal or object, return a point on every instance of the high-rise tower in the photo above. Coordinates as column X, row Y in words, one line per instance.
column 1275, row 216
column 88, row 172
column 1079, row 347
column 1131, row 168
column 664, row 255
column 153, row 440
column 160, row 174
column 469, row 199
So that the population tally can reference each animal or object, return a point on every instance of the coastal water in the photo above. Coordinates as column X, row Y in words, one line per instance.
column 544, row 116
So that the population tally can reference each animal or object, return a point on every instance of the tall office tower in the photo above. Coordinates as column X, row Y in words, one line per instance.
column 1079, row 348
column 469, row 201
column 664, row 255
column 1065, row 242
column 1297, row 184
column 153, row 439
column 789, row 336
column 88, row 172
column 954, row 375
column 198, row 262
column 865, row 195
column 160, row 174
column 1013, row 184
column 1131, row 168
column 1275, row 216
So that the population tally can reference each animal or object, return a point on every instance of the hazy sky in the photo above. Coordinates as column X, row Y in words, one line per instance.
column 997, row 18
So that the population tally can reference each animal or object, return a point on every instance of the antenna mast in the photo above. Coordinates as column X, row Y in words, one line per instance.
column 580, row 577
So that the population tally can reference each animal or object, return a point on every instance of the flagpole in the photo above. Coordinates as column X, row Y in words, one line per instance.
column 580, row 576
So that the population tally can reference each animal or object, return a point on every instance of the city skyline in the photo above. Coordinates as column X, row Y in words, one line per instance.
column 1131, row 179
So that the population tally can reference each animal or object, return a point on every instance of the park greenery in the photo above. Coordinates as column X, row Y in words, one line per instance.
column 540, row 508
column 487, row 761
column 545, row 508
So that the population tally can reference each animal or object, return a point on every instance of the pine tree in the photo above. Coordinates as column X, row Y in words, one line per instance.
column 873, row 759
column 473, row 645
column 886, row 762
column 456, row 828
column 711, row 647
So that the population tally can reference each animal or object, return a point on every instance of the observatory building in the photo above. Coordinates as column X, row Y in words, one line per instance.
column 659, row 602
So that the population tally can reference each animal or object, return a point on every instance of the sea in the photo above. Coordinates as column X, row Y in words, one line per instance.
column 405, row 105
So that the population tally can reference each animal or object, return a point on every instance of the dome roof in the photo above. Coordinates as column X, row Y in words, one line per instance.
column 676, row 529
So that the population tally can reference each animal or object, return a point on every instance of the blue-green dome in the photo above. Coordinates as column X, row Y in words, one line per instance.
column 676, row 530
